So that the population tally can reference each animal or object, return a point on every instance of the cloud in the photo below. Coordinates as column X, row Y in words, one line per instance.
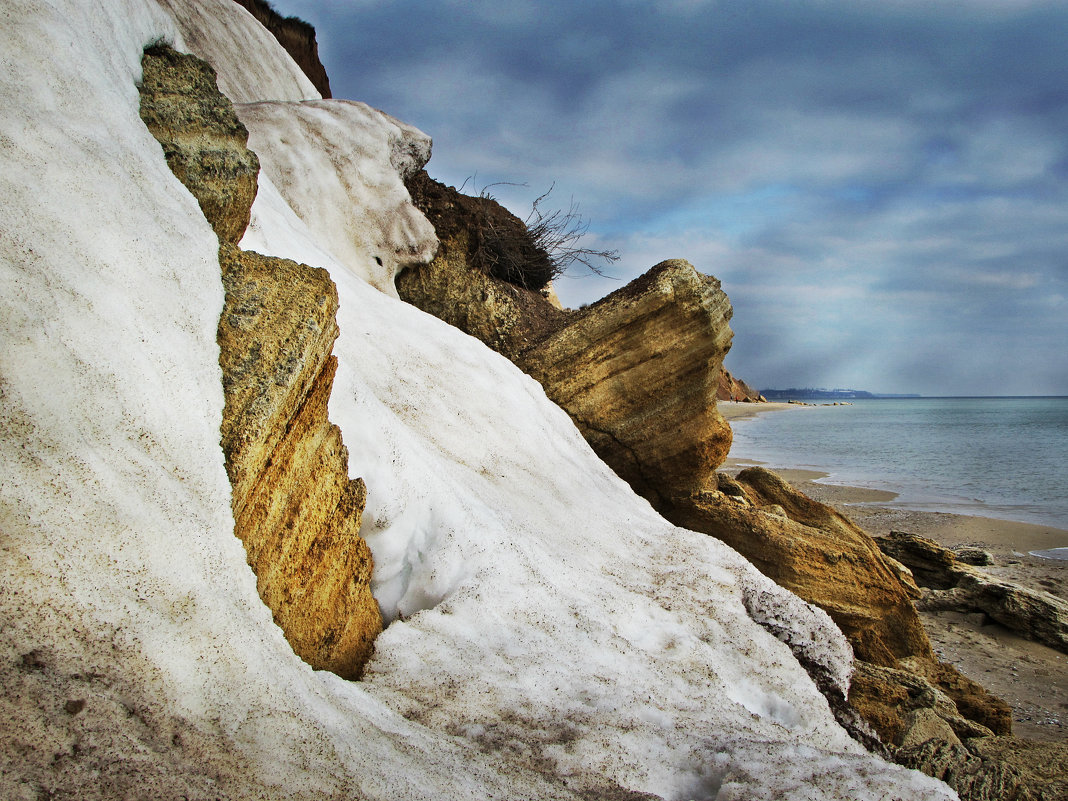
column 881, row 187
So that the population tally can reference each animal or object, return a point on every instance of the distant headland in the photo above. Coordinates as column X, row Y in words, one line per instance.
column 808, row 393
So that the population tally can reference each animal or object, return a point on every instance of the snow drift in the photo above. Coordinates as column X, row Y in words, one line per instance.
column 551, row 636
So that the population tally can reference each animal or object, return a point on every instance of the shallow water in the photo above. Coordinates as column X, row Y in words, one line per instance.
column 995, row 457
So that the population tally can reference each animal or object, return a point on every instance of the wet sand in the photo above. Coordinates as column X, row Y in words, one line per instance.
column 1031, row 677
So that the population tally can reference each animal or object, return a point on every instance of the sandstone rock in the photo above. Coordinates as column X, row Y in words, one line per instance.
column 465, row 285
column 814, row 551
column 932, row 565
column 1039, row 616
column 1041, row 765
column 296, row 36
column 637, row 372
column 972, row 700
column 887, row 698
column 953, row 585
column 922, row 725
column 294, row 506
column 974, row 556
column 202, row 139
column 973, row 777
column 295, row 509
column 925, row 730
column 818, row 554
column 729, row 486
column 506, row 317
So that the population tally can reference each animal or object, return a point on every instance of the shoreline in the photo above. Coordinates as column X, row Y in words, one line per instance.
column 883, row 494
column 1030, row 677
column 744, row 410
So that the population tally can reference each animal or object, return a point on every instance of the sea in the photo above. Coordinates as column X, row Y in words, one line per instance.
column 1005, row 458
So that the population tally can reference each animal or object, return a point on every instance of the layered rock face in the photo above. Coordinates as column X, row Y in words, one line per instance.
column 922, row 699
column 296, row 36
column 899, row 688
column 637, row 372
column 295, row 509
column 815, row 552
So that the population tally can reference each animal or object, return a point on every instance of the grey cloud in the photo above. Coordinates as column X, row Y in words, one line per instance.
column 906, row 158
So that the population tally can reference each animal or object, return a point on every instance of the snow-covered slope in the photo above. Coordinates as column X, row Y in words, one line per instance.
column 552, row 636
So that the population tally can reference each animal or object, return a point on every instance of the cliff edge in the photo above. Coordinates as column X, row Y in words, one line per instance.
column 296, row 36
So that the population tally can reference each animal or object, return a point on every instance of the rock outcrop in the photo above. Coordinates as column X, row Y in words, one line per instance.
column 1040, row 764
column 295, row 508
column 906, row 707
column 951, row 583
column 203, row 141
column 296, row 36
column 974, row 777
column 637, row 372
column 926, row 713
column 815, row 552
column 899, row 688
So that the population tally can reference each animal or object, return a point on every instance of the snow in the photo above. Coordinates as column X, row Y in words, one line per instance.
column 353, row 153
column 551, row 637
column 251, row 64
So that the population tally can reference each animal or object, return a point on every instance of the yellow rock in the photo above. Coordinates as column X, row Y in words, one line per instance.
column 295, row 508
column 638, row 372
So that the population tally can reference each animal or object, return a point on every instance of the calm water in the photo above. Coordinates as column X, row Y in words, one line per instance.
column 997, row 457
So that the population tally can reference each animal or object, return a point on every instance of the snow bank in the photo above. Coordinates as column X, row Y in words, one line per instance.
column 251, row 64
column 553, row 637
column 339, row 162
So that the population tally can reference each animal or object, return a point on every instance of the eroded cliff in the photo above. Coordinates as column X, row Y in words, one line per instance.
column 639, row 373
column 296, row 36
column 734, row 389
column 815, row 552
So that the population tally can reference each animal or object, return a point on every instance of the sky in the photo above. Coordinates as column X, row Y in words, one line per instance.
column 881, row 187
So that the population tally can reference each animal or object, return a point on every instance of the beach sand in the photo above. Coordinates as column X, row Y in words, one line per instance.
column 1032, row 678
column 739, row 410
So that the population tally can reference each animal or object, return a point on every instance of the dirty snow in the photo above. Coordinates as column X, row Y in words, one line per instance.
column 551, row 635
